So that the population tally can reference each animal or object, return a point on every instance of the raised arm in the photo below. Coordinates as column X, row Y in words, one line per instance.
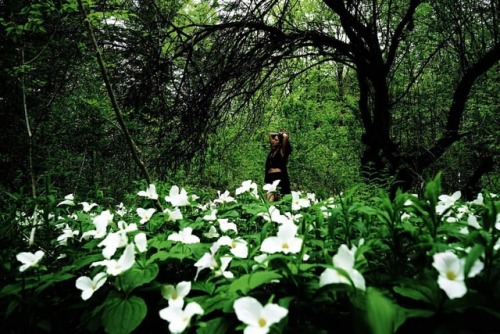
column 286, row 148
column 272, row 135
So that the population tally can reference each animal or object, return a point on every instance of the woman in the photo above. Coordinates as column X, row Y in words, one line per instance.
column 276, row 163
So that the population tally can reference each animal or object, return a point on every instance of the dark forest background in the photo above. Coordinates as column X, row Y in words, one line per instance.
column 380, row 93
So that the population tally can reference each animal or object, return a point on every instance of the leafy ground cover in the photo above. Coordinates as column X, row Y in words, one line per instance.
column 180, row 261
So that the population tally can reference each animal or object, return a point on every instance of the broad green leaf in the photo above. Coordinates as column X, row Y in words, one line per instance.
column 422, row 294
column 52, row 279
column 418, row 313
column 10, row 289
column 214, row 326
column 217, row 302
column 136, row 276
column 205, row 286
column 122, row 316
column 249, row 282
column 383, row 315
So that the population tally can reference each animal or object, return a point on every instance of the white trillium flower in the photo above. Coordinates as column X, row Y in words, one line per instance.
column 173, row 215
column 451, row 273
column 179, row 318
column 271, row 187
column 141, row 242
column 124, row 263
column 121, row 210
column 237, row 246
column 408, row 202
column 123, row 226
column 145, row 214
column 446, row 201
column 248, row 186
column 261, row 261
column 67, row 233
column 472, row 221
column 258, row 318
column 89, row 286
column 212, row 233
column 221, row 270
column 479, row 200
column 29, row 259
column 149, row 193
column 273, row 214
column 87, row 206
column 285, row 242
column 212, row 216
column 101, row 222
column 68, row 200
column 112, row 242
column 496, row 247
column 225, row 225
column 344, row 259
column 294, row 218
column 175, row 294
column 311, row 197
column 177, row 197
column 298, row 202
column 405, row 216
column 224, row 197
column 185, row 236
column 207, row 260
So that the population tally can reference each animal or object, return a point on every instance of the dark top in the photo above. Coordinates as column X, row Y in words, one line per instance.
column 275, row 160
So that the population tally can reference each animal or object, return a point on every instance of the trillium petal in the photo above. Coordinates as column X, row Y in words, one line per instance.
column 274, row 313
column 256, row 330
column 287, row 231
column 344, row 258
column 447, row 261
column 183, row 288
column 141, row 242
column 294, row 246
column 271, row 245
column 192, row 309
column 248, row 310
column 477, row 267
column 84, row 283
column 330, row 276
column 25, row 257
column 453, row 289
column 99, row 280
column 358, row 279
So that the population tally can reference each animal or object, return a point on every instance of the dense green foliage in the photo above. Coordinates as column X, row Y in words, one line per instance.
column 202, row 113
column 100, row 97
column 387, row 274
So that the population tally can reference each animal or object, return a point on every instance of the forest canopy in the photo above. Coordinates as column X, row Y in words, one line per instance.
column 386, row 93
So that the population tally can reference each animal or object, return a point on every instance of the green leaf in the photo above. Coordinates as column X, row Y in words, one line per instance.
column 205, row 286
column 417, row 313
column 137, row 276
column 122, row 316
column 383, row 315
column 250, row 281
column 55, row 278
column 214, row 326
column 422, row 293
column 472, row 257
column 216, row 302
column 11, row 289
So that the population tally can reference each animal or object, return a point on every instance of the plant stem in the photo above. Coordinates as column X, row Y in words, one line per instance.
column 119, row 116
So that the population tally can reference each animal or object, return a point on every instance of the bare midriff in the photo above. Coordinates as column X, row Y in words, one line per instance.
column 274, row 170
